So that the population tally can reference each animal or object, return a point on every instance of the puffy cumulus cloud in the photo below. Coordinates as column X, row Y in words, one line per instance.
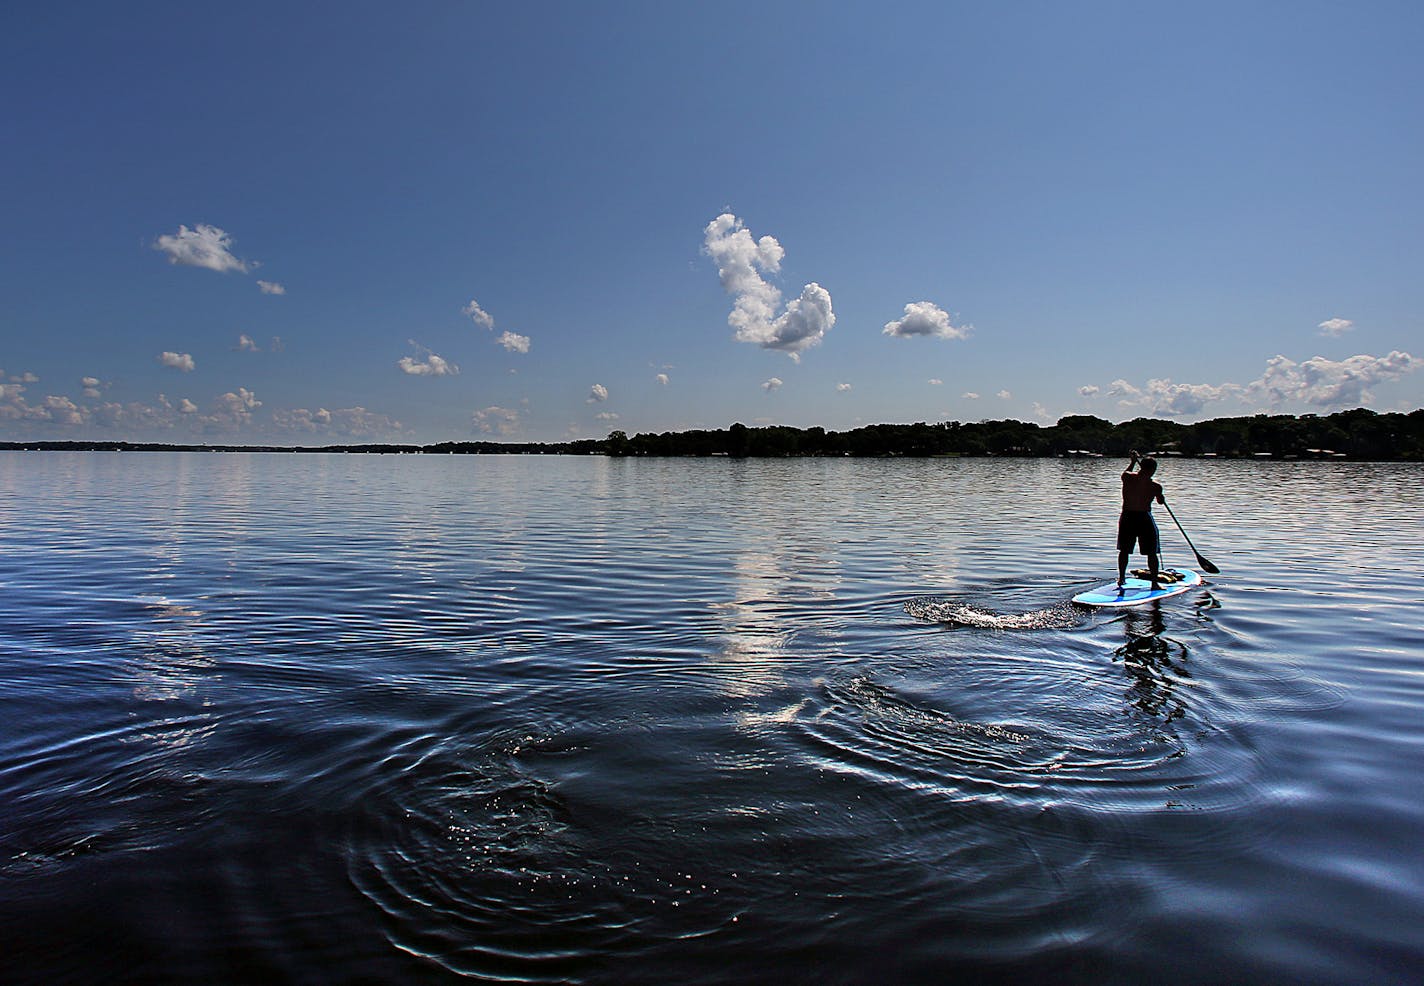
column 1041, row 412
column 1003, row 395
column 202, row 246
column 597, row 394
column 842, row 388
column 346, row 422
column 662, row 378
column 426, row 363
column 1335, row 326
column 478, row 315
column 231, row 411
column 91, row 386
column 756, row 306
column 1324, row 383
column 278, row 345
column 514, row 342
column 925, row 318
column 495, row 420
column 26, row 377
column 246, row 345
column 606, row 416
column 773, row 384
column 177, row 361
column 1090, row 390
column 969, row 395
column 1317, row 382
column 271, row 287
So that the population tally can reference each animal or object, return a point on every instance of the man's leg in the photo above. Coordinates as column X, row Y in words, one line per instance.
column 1121, row 567
column 1152, row 569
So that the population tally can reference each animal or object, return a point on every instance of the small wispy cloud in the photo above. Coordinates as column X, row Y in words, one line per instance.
column 1003, row 395
column 426, row 364
column 478, row 315
column 606, row 416
column 514, row 342
column 925, row 318
column 271, row 287
column 1335, row 327
column 597, row 394
column 662, row 378
column 969, row 395
column 1091, row 390
column 91, row 386
column 843, row 388
column 246, row 345
column 177, row 361
column 495, row 420
column 202, row 246
column 773, row 384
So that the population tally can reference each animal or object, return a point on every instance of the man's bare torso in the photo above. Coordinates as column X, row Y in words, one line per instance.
column 1138, row 491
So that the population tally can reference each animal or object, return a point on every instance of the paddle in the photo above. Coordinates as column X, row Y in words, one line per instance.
column 1207, row 566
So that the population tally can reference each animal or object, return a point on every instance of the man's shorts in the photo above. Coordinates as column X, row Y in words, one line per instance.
column 1137, row 526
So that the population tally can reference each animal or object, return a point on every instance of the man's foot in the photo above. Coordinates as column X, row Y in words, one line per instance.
column 1156, row 586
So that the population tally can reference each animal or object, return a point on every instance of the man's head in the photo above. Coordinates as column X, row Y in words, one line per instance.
column 1149, row 465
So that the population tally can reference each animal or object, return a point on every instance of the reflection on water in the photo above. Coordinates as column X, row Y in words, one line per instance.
column 540, row 719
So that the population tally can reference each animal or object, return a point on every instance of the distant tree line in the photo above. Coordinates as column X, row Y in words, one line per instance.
column 1357, row 434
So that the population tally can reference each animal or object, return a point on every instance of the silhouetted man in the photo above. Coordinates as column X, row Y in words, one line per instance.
column 1136, row 525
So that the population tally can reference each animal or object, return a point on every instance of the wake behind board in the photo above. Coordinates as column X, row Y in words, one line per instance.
column 1136, row 591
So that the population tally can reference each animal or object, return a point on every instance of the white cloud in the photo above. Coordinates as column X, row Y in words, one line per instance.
column 741, row 261
column 607, row 416
column 1003, row 395
column 773, row 384
column 278, row 345
column 935, row 382
column 1089, row 391
column 925, row 318
column 662, row 378
column 1335, row 326
column 429, row 365
column 346, row 422
column 231, row 411
column 26, row 377
column 1325, row 383
column 186, row 406
column 246, row 345
column 969, row 395
column 478, row 315
column 271, row 287
column 91, row 386
column 1318, row 382
column 496, row 421
column 202, row 246
column 178, row 361
column 597, row 393
column 842, row 388
column 1040, row 411
column 514, row 342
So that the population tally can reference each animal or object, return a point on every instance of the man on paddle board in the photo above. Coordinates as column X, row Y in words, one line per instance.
column 1135, row 525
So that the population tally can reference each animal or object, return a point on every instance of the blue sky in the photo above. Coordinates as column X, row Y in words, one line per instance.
column 269, row 222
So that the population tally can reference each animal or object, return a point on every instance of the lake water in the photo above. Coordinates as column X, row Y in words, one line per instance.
column 360, row 718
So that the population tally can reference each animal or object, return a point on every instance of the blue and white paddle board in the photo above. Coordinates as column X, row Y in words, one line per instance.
column 1136, row 591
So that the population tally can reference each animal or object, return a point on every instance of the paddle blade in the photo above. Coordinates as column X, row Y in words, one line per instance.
column 1207, row 566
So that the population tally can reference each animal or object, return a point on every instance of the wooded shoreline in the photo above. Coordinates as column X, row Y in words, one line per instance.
column 1358, row 434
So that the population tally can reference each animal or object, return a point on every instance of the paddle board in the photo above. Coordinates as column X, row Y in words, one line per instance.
column 1135, row 591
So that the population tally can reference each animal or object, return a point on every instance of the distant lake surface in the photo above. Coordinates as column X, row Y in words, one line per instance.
column 362, row 718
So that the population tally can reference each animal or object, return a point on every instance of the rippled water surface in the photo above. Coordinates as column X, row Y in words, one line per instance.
column 345, row 718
